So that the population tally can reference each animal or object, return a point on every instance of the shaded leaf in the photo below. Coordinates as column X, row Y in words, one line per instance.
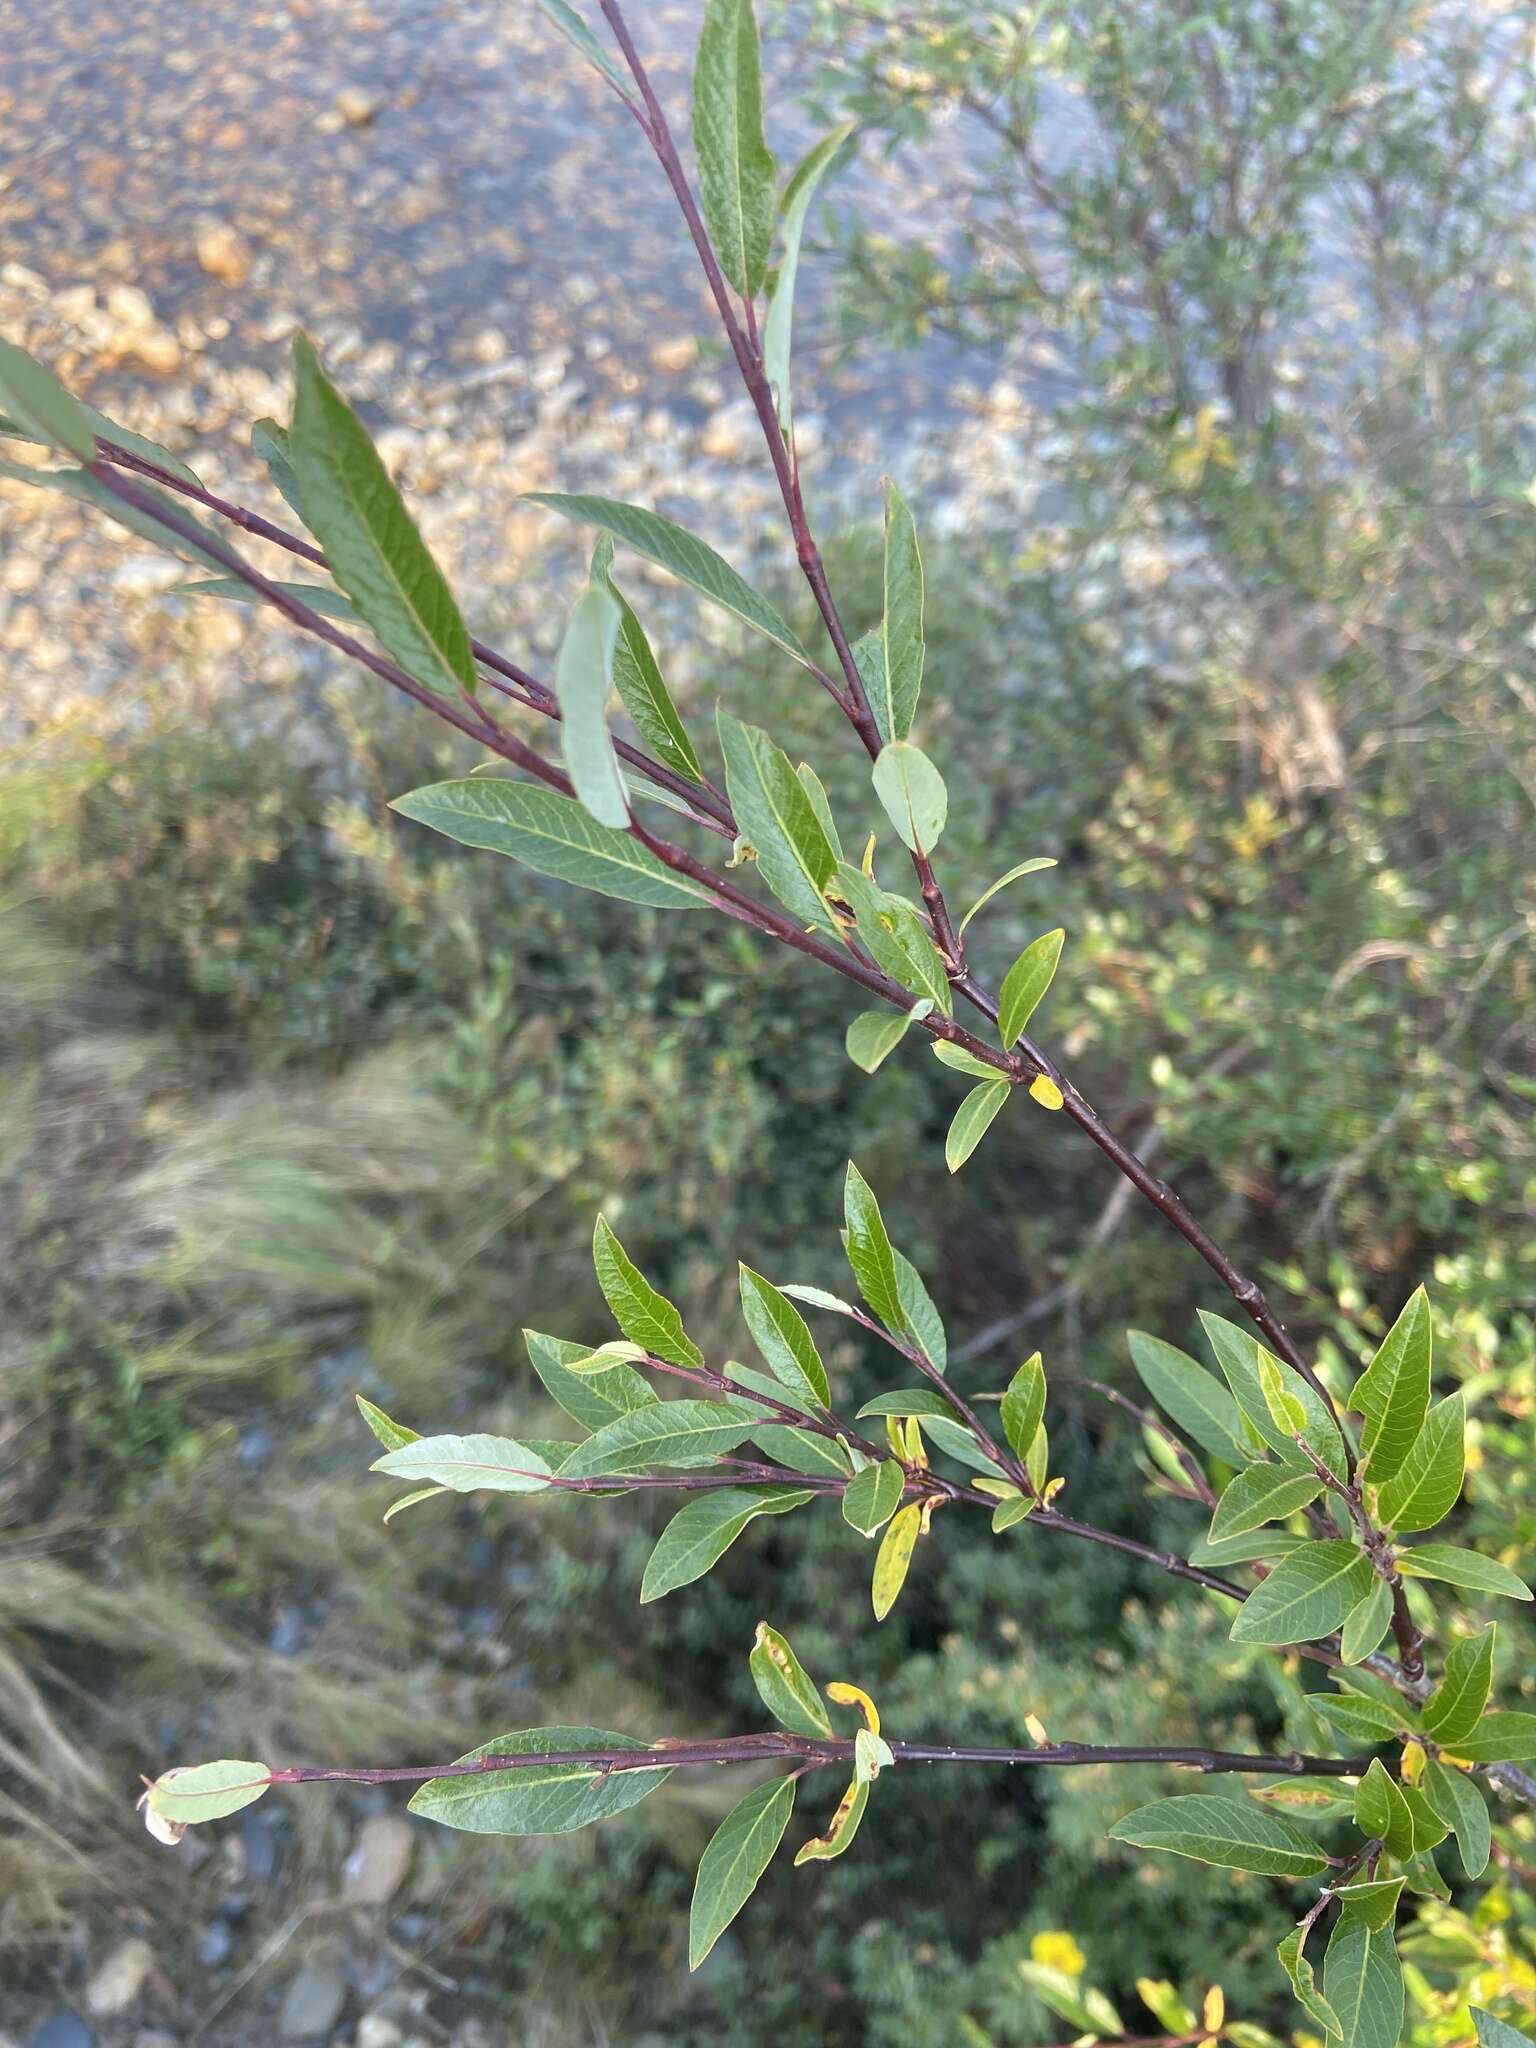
column 1456, row 1705
column 537, row 1799
column 737, row 1855
column 869, row 1250
column 971, row 1121
column 1192, row 1398
column 795, row 204
column 699, row 1534
column 872, row 1037
column 1231, row 1832
column 41, row 407
column 1427, row 1485
column 737, row 174
column 1393, row 1392
column 646, row 1317
column 575, row 30
column 781, row 1334
column 913, row 793
column 1459, row 1803
column 1025, row 867
column 1264, row 1493
column 1306, row 1596
column 1024, row 1405
column 775, row 814
column 872, row 1496
column 784, row 1687
column 683, row 1433
column 1363, row 1982
column 1465, row 1568
column 1366, row 1626
column 1025, row 984
column 591, row 1399
column 583, row 684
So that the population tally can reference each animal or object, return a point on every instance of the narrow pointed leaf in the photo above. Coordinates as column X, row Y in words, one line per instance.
column 789, row 1694
column 644, row 694
column 1501, row 1738
column 592, row 1399
column 551, row 834
column 190, row 1793
column 1237, row 1353
column 1495, row 2033
column 913, row 793
column 1365, row 1627
column 1459, row 1803
column 680, row 1433
column 893, row 934
column 1363, row 1982
column 1456, row 1705
column 1025, row 984
column 774, row 813
column 370, row 540
column 1374, row 1902
column 738, row 1853
column 894, row 1558
column 136, row 444
column 1025, row 867
column 924, row 1324
column 699, row 1535
column 672, row 547
column 646, row 1317
column 840, row 1830
column 963, row 1062
column 1306, row 1596
column 330, row 604
column 869, row 1250
column 1382, row 1812
column 972, row 1120
column 898, row 662
column 1194, row 1399
column 394, row 1436
column 1393, row 1392
column 537, row 1799
column 269, row 438
column 1304, row 1984
column 575, row 30
column 795, row 206
column 782, row 1335
column 737, row 174
column 1024, row 1405
column 41, row 407
column 1357, row 1720
column 1264, row 1493
column 469, row 1464
column 1231, row 1832
column 1427, row 1485
column 583, row 685
column 1453, row 1566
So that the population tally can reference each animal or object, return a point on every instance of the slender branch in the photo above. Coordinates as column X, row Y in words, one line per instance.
column 815, row 1752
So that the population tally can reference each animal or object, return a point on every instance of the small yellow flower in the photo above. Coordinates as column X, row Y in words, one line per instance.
column 1058, row 1951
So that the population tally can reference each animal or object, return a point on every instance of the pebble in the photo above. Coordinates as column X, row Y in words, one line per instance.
column 380, row 1858
column 377, row 2030
column 214, row 1944
column 312, row 2003
column 224, row 254
column 117, row 1984
column 356, row 106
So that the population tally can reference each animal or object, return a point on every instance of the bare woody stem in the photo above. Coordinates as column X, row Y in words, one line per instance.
column 814, row 1753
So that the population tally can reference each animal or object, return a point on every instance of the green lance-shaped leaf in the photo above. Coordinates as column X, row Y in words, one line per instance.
column 583, row 685
column 330, row 604
column 1365, row 1626
column 874, row 1036
column 1264, row 1493
column 895, row 937
column 739, row 1852
column 1363, row 1982
column 789, row 1694
column 1501, row 1738
column 41, row 407
column 897, row 665
column 775, row 814
column 370, row 540
column 795, row 205
column 700, row 1534
column 737, row 174
column 802, row 1450
column 1453, row 1566
column 672, row 547
column 469, row 1464
column 87, row 489
column 925, row 1326
column 1374, row 1902
column 681, row 1433
column 1231, row 1832
column 1427, row 1485
column 814, row 788
column 1358, row 1720
column 1382, row 1812
column 1267, row 1543
column 195, row 1792
column 894, row 1557
column 1428, row 1828
column 1285, row 1411
column 1306, row 1596
column 638, row 679
column 869, row 1250
column 1025, row 984
column 109, row 430
column 1393, row 1392
column 840, row 1829
column 972, row 1120
column 872, row 1496
column 551, row 834
column 1025, row 867
column 269, row 439
column 1459, row 1803
column 1024, row 1405
column 394, row 1436
column 963, row 1062
column 575, row 30
column 905, row 1401
column 1194, row 1399
column 956, row 1439
column 913, row 793
column 1456, row 1705
column 1496, row 2033
column 590, row 1398
column 537, row 1799
column 782, row 1335
column 646, row 1317
column 1238, row 1355
column 1304, row 1984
